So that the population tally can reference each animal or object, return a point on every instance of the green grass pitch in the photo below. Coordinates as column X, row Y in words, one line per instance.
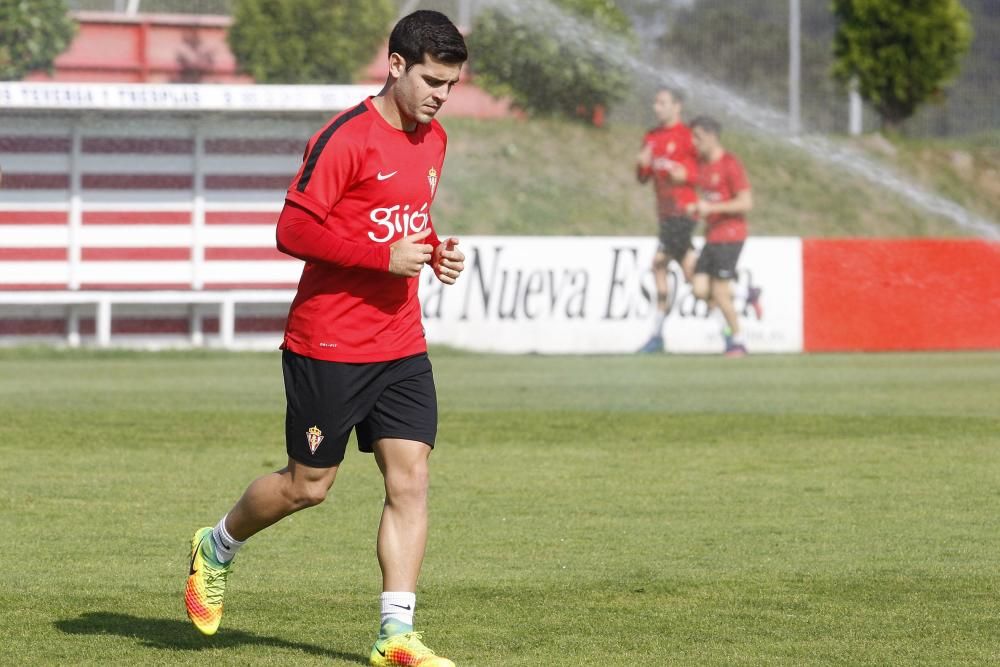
column 801, row 510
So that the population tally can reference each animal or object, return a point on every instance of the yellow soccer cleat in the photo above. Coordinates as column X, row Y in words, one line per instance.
column 406, row 650
column 206, row 584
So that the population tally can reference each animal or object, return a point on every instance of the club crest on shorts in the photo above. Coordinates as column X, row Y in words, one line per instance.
column 432, row 178
column 314, row 436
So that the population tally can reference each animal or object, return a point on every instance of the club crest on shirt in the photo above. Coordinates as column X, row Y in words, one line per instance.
column 671, row 147
column 314, row 436
column 432, row 178
column 715, row 179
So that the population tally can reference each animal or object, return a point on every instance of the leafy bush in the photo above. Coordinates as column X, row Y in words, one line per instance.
column 552, row 58
column 32, row 34
column 308, row 41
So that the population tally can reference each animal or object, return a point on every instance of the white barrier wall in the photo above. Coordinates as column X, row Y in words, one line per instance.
column 188, row 197
column 560, row 295
column 553, row 295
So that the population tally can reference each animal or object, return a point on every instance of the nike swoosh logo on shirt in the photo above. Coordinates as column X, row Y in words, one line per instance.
column 383, row 177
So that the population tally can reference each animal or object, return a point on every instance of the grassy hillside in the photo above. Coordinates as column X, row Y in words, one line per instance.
column 965, row 170
column 553, row 177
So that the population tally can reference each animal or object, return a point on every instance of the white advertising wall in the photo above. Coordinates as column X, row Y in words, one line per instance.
column 557, row 295
column 550, row 295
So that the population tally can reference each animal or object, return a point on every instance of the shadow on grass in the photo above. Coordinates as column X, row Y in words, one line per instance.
column 162, row 633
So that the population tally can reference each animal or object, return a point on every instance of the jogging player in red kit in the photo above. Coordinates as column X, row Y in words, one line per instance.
column 354, row 355
column 668, row 157
column 725, row 200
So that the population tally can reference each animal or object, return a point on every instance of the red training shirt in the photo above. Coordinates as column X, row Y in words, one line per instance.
column 719, row 181
column 671, row 145
column 363, row 185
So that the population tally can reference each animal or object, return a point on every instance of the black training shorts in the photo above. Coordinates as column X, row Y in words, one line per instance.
column 719, row 260
column 675, row 236
column 327, row 399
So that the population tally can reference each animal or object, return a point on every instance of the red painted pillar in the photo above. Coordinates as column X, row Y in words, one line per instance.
column 142, row 55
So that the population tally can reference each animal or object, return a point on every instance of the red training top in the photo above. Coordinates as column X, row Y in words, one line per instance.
column 671, row 145
column 362, row 185
column 719, row 181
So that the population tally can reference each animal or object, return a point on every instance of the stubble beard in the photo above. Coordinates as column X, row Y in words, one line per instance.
column 423, row 117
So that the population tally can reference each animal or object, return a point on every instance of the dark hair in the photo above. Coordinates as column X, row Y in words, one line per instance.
column 427, row 32
column 708, row 124
column 675, row 93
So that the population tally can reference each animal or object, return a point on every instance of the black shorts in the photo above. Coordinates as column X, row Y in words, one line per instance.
column 326, row 400
column 675, row 236
column 719, row 260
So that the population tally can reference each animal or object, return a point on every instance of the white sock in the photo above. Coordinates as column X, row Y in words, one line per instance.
column 658, row 321
column 225, row 544
column 398, row 606
column 738, row 339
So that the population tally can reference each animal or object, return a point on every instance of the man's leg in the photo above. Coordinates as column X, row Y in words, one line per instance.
column 723, row 297
column 267, row 500
column 701, row 287
column 688, row 264
column 402, row 533
column 274, row 496
column 660, row 263
column 402, row 539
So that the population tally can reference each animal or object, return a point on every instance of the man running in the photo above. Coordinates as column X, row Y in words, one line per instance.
column 668, row 157
column 354, row 355
column 725, row 200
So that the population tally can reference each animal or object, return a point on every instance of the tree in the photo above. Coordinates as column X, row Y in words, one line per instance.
column 307, row 41
column 900, row 51
column 552, row 58
column 32, row 34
